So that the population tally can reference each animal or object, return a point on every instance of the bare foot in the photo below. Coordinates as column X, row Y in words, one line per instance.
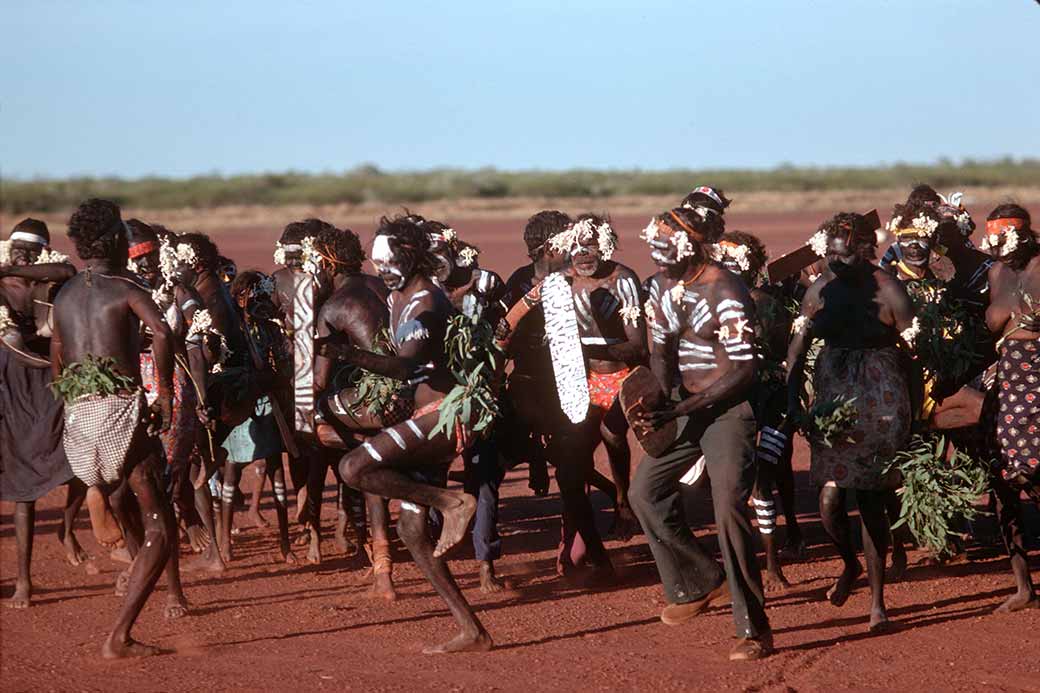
column 103, row 522
column 288, row 557
column 123, row 581
column 131, row 648
column 209, row 562
column 839, row 593
column 774, row 581
column 90, row 568
column 626, row 525
column 491, row 583
column 897, row 571
column 383, row 587
column 1019, row 601
column 198, row 537
column 22, row 597
column 456, row 522
column 121, row 554
column 314, row 551
column 255, row 519
column 175, row 608
column 879, row 622
column 302, row 539
column 74, row 553
column 480, row 642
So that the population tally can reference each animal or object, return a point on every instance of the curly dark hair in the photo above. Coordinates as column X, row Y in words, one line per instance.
column 33, row 226
column 855, row 230
column 697, row 198
column 918, row 207
column 205, row 249
column 923, row 192
column 96, row 228
column 244, row 282
column 543, row 226
column 757, row 254
column 408, row 237
column 298, row 230
column 709, row 226
column 1027, row 243
column 342, row 248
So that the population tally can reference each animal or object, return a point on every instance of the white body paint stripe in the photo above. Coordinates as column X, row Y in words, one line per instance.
column 371, row 451
column 397, row 437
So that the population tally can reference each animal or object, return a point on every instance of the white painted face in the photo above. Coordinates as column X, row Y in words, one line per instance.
column 387, row 263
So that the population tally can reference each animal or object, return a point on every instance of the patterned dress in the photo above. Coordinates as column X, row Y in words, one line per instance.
column 1018, row 416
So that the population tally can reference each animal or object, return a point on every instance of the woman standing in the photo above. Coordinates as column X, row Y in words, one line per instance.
column 1013, row 315
column 859, row 314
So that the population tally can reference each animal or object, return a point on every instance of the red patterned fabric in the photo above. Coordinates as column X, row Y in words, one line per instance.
column 604, row 388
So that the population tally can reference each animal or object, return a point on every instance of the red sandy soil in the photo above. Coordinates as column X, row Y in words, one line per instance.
column 267, row 626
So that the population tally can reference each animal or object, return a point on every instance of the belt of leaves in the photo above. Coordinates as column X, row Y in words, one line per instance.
column 90, row 376
column 377, row 394
column 937, row 489
column 473, row 358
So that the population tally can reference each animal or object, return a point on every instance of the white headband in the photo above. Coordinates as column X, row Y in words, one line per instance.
column 705, row 190
column 292, row 247
column 28, row 237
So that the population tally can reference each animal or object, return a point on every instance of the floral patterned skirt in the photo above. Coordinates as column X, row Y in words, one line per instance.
column 878, row 380
column 1018, row 415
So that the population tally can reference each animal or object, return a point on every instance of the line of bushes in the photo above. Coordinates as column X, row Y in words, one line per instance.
column 370, row 184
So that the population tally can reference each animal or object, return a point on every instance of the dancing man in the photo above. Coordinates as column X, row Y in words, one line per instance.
column 702, row 355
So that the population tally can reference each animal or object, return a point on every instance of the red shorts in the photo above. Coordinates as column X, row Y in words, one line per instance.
column 604, row 388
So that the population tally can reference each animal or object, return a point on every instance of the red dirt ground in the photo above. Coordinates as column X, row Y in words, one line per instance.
column 267, row 626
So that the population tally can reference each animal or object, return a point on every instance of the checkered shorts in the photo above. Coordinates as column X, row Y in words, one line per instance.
column 98, row 432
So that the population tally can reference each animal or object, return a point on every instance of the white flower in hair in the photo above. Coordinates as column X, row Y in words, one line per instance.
column 739, row 253
column 1010, row 241
column 651, row 232
column 6, row 323
column 467, row 256
column 717, row 252
column 5, row 253
column 677, row 292
column 818, row 242
column 132, row 266
column 909, row 335
column 564, row 241
column 167, row 260
column 162, row 296
column 894, row 222
column 449, row 235
column 279, row 253
column 964, row 223
column 49, row 256
column 312, row 259
column 926, row 224
column 682, row 245
column 607, row 240
column 799, row 324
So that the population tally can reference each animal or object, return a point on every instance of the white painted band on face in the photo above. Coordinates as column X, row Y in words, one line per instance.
column 28, row 237
column 292, row 248
column 381, row 251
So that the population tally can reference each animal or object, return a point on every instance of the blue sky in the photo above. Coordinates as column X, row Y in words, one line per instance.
column 138, row 88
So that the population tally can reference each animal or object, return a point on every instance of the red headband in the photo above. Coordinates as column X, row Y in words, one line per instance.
column 1000, row 226
column 142, row 249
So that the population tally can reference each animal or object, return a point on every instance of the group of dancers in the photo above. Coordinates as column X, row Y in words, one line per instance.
column 147, row 381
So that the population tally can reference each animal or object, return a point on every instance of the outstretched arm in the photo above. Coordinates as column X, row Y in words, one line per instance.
column 56, row 272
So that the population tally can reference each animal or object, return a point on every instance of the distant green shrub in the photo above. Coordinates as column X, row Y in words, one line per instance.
column 368, row 183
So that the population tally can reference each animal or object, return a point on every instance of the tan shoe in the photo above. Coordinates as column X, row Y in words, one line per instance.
column 676, row 614
column 748, row 649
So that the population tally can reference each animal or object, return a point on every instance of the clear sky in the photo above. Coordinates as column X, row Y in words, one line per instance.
column 180, row 88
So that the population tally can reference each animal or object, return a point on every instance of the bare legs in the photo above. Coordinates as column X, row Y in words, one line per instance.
column 153, row 554
column 379, row 548
column 411, row 526
column 260, row 468
column 614, row 431
column 76, row 493
column 1009, row 514
column 875, row 530
column 24, row 519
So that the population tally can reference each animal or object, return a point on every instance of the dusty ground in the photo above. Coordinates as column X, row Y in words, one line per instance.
column 266, row 626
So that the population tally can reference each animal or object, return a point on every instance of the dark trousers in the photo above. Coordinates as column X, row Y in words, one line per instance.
column 484, row 473
column 688, row 572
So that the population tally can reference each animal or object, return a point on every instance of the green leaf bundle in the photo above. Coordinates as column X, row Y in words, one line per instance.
column 376, row 393
column 937, row 489
column 90, row 376
column 473, row 358
column 827, row 422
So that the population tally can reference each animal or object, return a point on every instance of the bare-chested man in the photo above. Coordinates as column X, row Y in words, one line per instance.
column 613, row 337
column 96, row 329
column 477, row 293
column 31, row 453
column 388, row 463
column 703, row 354
column 355, row 314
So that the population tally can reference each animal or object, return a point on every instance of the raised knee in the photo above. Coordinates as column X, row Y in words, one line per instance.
column 350, row 468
